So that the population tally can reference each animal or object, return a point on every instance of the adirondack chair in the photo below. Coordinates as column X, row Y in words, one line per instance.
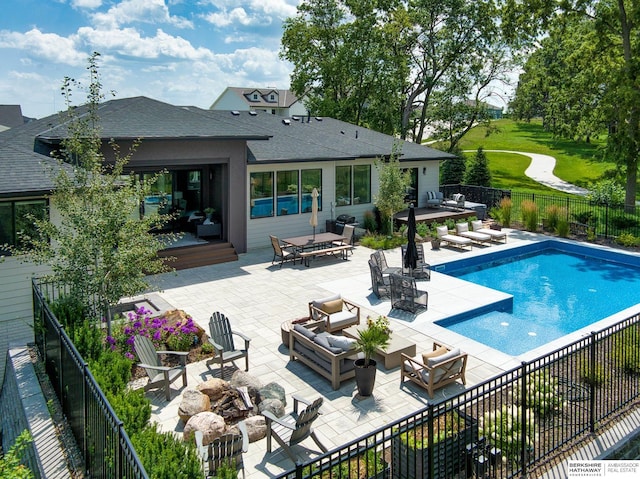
column 223, row 343
column 160, row 375
column 226, row 449
column 294, row 428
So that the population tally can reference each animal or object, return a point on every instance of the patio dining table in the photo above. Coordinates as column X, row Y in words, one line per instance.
column 317, row 241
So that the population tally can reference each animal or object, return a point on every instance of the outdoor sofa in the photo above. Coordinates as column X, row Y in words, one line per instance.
column 330, row 356
column 434, row 199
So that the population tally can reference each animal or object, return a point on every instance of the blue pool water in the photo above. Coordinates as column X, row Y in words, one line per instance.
column 554, row 292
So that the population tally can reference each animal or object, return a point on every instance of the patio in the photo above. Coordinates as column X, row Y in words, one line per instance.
column 258, row 297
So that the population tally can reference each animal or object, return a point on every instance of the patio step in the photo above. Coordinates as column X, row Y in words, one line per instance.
column 200, row 255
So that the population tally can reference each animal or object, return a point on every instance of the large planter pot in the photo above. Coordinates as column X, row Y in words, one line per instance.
column 449, row 455
column 365, row 376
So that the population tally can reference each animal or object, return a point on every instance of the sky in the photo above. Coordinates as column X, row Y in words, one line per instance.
column 183, row 52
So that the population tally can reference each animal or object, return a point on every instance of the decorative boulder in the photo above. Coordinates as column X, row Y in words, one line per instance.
column 192, row 403
column 211, row 425
column 274, row 406
column 214, row 388
column 256, row 428
column 241, row 378
column 273, row 391
column 175, row 316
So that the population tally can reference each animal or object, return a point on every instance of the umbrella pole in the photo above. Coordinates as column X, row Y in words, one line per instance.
column 314, row 232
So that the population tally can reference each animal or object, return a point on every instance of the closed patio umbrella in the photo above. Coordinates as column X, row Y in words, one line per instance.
column 313, row 221
column 411, row 256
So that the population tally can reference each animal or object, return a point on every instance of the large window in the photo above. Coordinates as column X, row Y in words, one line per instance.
column 261, row 194
column 287, row 182
column 14, row 221
column 360, row 177
column 411, row 194
column 361, row 184
column 310, row 179
column 343, row 185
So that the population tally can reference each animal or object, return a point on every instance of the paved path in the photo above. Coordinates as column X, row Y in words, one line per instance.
column 541, row 170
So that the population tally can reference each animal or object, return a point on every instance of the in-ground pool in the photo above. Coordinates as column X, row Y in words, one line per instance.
column 557, row 288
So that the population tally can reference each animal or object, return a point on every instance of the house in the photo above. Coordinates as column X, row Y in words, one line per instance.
column 255, row 169
column 10, row 116
column 282, row 103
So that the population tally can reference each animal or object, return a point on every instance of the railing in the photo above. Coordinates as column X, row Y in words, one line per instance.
column 510, row 425
column 106, row 448
column 607, row 221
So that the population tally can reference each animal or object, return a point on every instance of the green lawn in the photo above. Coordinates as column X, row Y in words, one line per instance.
column 576, row 162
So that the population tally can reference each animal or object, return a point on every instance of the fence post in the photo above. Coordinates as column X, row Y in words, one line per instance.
column 431, row 469
column 606, row 220
column 592, row 386
column 523, row 418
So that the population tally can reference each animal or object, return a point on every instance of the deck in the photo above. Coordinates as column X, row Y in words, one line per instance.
column 439, row 215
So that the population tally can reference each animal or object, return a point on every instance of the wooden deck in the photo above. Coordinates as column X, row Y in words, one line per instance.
column 439, row 215
column 200, row 255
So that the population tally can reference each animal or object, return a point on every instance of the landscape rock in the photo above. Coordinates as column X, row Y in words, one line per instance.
column 211, row 425
column 193, row 402
column 241, row 378
column 273, row 391
column 214, row 388
column 256, row 428
column 274, row 406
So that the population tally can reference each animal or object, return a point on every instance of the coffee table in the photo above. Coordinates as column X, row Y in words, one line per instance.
column 392, row 355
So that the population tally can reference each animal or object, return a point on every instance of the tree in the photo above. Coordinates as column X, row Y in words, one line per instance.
column 478, row 172
column 99, row 247
column 393, row 185
column 613, row 64
column 453, row 170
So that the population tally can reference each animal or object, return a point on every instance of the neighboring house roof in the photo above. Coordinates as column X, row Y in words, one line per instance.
column 10, row 116
column 24, row 149
column 259, row 98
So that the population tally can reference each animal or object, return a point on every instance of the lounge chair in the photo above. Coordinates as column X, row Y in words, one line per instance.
column 455, row 240
column 405, row 295
column 422, row 271
column 294, row 428
column 496, row 235
column 462, row 229
column 336, row 312
column 457, row 201
column 160, row 375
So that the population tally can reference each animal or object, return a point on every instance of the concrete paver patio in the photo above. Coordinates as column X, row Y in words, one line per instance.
column 258, row 297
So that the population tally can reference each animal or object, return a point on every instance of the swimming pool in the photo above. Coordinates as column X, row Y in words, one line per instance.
column 557, row 288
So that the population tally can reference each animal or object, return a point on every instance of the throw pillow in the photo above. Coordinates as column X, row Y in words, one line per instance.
column 321, row 340
column 341, row 342
column 476, row 225
column 442, row 231
column 307, row 333
column 432, row 354
column 462, row 227
column 331, row 307
column 432, row 362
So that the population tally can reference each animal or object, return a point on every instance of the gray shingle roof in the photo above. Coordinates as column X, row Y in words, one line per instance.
column 270, row 138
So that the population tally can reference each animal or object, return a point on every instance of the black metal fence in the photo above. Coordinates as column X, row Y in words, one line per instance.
column 605, row 220
column 105, row 445
column 511, row 425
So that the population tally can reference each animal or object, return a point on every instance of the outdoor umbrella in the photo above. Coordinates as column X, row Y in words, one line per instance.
column 313, row 221
column 411, row 256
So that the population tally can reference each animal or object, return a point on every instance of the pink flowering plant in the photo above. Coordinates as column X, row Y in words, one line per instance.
column 140, row 323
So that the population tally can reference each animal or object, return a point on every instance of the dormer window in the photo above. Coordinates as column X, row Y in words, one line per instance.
column 255, row 97
column 272, row 97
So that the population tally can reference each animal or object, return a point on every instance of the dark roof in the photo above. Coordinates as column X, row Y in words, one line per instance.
column 11, row 115
column 270, row 138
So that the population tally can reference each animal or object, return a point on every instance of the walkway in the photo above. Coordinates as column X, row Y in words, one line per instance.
column 258, row 297
column 541, row 170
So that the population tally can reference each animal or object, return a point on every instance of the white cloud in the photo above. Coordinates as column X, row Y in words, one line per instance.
column 253, row 13
column 91, row 4
column 49, row 46
column 145, row 11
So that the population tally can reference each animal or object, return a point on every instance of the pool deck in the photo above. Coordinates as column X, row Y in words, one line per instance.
column 258, row 297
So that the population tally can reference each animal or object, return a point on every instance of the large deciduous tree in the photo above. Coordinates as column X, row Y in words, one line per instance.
column 98, row 245
column 605, row 37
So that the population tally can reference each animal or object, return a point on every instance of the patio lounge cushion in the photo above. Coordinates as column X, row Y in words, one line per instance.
column 331, row 307
column 432, row 354
column 342, row 342
column 319, row 302
column 433, row 362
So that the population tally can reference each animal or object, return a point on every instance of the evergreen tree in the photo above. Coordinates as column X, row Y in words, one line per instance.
column 452, row 171
column 478, row 173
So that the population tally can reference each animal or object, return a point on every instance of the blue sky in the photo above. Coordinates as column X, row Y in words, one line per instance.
column 184, row 52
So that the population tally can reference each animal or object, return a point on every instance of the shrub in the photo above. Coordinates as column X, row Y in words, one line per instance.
column 69, row 311
column 596, row 378
column 206, row 348
column 542, row 393
column 606, row 192
column 627, row 350
column 627, row 239
column 552, row 217
column 10, row 467
column 88, row 339
column 133, row 409
column 423, row 229
column 624, row 222
column 370, row 223
column 562, row 228
column 503, row 429
column 585, row 217
column 165, row 456
column 529, row 211
column 502, row 213
column 375, row 241
column 112, row 371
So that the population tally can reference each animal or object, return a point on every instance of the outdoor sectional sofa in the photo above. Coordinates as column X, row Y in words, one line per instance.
column 330, row 356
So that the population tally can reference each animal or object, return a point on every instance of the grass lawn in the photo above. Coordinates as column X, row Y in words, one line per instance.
column 576, row 162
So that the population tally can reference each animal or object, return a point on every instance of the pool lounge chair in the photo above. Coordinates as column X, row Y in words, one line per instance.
column 496, row 235
column 462, row 229
column 455, row 240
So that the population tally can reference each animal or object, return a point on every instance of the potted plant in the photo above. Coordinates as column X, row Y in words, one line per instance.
column 375, row 336
column 432, row 236
column 209, row 211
